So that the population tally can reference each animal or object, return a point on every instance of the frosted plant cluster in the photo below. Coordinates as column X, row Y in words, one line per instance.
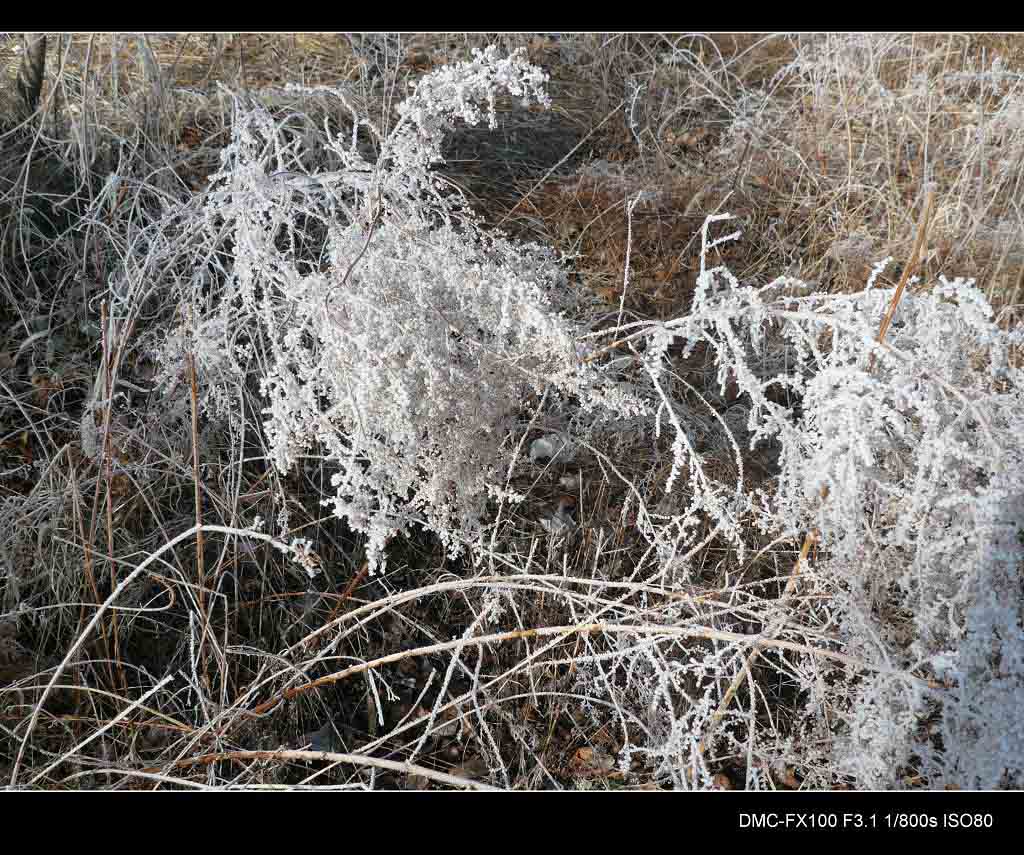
column 396, row 338
column 906, row 459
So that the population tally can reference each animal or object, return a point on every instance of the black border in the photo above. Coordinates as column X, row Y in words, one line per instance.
column 519, row 821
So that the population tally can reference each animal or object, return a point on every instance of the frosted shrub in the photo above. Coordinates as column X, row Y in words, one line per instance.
column 907, row 459
column 394, row 336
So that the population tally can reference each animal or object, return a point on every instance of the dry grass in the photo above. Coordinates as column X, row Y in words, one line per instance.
column 221, row 654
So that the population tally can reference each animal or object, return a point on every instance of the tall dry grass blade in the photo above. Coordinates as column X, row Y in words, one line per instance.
column 911, row 266
column 31, row 71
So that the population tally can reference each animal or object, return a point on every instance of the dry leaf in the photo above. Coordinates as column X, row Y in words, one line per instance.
column 593, row 762
column 785, row 776
column 693, row 138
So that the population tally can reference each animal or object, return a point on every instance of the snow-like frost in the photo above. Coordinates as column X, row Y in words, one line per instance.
column 399, row 338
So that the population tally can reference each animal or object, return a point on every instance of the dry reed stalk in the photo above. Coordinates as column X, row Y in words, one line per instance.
column 757, row 640
column 912, row 262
